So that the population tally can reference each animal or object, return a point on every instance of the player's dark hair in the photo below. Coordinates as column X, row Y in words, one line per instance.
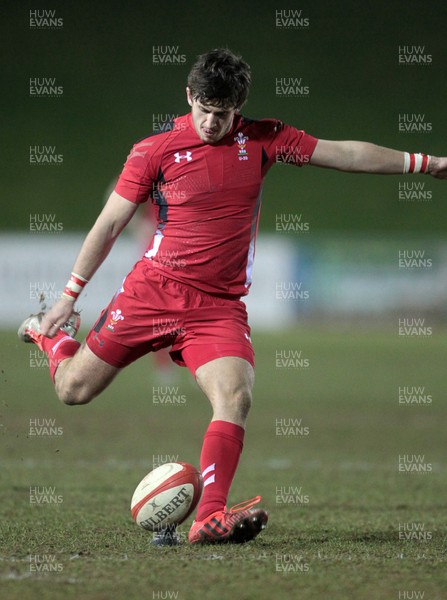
column 221, row 78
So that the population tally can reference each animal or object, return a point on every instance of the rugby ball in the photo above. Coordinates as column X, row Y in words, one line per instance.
column 166, row 496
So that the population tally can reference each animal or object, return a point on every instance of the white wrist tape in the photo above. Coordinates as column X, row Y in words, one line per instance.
column 416, row 163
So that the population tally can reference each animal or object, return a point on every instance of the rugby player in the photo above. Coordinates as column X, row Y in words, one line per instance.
column 203, row 173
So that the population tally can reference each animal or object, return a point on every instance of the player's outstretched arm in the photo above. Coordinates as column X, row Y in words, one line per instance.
column 363, row 157
column 99, row 241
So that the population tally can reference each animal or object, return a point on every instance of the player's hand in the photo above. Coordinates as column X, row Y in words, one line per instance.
column 56, row 316
column 438, row 167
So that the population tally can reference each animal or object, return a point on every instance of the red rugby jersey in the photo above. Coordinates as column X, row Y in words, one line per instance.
column 208, row 197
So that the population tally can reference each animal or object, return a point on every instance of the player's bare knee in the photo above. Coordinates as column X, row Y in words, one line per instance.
column 243, row 401
column 238, row 401
column 232, row 398
column 73, row 393
column 75, row 398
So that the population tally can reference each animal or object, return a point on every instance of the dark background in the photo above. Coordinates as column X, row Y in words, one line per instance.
column 103, row 59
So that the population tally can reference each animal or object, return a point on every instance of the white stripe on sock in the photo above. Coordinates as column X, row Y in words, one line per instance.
column 210, row 479
column 208, row 470
column 56, row 346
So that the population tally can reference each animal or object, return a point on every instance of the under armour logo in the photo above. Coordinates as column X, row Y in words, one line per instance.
column 178, row 156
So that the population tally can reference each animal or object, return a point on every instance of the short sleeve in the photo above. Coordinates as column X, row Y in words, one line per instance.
column 136, row 181
column 288, row 145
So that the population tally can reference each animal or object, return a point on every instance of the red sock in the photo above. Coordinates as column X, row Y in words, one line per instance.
column 59, row 348
column 222, row 447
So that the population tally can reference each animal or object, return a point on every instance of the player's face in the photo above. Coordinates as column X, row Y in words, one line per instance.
column 210, row 122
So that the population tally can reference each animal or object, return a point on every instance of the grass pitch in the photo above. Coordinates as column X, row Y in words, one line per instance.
column 326, row 437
